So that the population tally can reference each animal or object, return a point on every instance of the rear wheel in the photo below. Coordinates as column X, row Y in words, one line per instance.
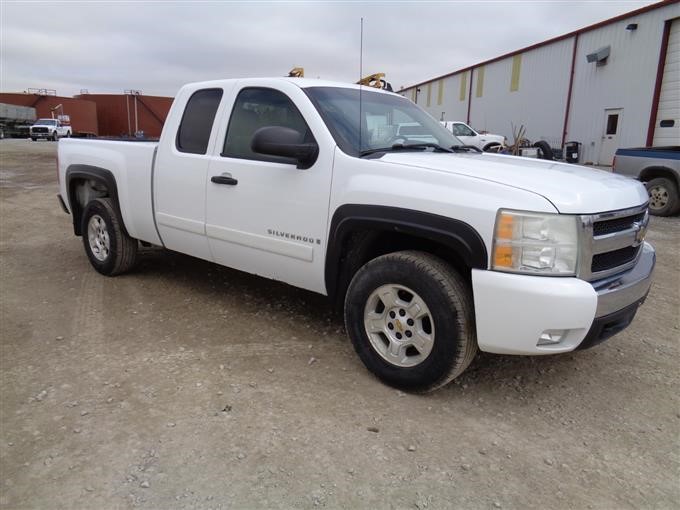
column 108, row 246
column 411, row 320
column 663, row 197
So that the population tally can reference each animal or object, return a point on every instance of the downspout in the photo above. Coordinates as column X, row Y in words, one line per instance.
column 472, row 72
column 659, row 79
column 571, row 86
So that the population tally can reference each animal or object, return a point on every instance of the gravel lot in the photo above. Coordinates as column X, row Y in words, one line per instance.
column 188, row 385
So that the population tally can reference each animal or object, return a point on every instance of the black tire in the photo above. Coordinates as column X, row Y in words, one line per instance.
column 121, row 254
column 450, row 304
column 68, row 134
column 663, row 197
column 34, row 139
column 544, row 150
column 54, row 136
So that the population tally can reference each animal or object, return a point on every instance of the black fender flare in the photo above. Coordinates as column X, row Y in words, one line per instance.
column 92, row 173
column 454, row 234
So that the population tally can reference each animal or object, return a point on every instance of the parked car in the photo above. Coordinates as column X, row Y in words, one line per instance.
column 659, row 169
column 471, row 137
column 432, row 249
column 49, row 129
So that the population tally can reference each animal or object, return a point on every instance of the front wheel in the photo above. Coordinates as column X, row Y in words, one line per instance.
column 108, row 246
column 411, row 320
column 663, row 197
column 54, row 136
column 493, row 147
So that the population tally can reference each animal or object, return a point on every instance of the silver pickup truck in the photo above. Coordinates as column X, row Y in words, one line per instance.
column 659, row 169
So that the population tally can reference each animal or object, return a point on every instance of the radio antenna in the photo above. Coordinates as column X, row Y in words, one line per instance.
column 361, row 73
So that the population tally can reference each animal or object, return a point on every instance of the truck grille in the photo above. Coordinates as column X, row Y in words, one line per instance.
column 611, row 242
column 616, row 225
column 612, row 259
column 39, row 130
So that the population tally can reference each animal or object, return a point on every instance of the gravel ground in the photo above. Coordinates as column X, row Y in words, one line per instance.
column 188, row 385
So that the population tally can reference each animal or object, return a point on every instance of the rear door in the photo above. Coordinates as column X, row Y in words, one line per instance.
column 264, row 215
column 180, row 172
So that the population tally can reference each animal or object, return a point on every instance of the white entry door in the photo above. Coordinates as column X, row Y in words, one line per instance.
column 613, row 118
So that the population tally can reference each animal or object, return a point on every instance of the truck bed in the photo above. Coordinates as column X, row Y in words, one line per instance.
column 131, row 164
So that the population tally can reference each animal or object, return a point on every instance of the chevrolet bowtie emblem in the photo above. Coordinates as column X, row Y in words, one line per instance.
column 640, row 231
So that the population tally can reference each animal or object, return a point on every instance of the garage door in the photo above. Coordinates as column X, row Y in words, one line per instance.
column 667, row 127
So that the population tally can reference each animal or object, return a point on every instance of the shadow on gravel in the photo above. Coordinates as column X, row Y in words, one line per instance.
column 489, row 374
column 212, row 279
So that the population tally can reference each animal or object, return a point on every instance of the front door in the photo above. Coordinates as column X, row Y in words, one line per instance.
column 264, row 215
column 613, row 118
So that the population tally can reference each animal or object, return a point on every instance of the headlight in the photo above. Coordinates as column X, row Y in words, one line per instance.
column 535, row 243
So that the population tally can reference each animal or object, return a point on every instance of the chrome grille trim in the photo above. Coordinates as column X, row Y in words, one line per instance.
column 594, row 245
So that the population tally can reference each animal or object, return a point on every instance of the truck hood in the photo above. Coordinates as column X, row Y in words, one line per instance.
column 572, row 189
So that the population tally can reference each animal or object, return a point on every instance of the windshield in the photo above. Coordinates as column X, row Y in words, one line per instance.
column 386, row 120
column 45, row 122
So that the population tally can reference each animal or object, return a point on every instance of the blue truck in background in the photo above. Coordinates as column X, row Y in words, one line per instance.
column 659, row 169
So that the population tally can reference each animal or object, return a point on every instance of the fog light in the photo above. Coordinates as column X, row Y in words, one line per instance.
column 551, row 336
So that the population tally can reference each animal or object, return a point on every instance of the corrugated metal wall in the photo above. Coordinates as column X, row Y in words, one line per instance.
column 626, row 81
column 539, row 101
column 541, row 78
column 113, row 109
column 452, row 106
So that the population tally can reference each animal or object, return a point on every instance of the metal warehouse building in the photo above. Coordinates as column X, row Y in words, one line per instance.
column 609, row 85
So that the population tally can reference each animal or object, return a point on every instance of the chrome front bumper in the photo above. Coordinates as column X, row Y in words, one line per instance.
column 617, row 292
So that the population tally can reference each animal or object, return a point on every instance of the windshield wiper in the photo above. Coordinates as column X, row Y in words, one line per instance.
column 410, row 146
column 465, row 148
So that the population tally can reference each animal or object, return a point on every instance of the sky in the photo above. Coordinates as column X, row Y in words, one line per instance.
column 157, row 46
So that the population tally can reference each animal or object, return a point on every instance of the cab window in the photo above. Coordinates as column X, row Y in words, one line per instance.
column 257, row 107
column 197, row 121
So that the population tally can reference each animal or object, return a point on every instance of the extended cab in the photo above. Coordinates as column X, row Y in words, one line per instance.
column 433, row 249
column 49, row 129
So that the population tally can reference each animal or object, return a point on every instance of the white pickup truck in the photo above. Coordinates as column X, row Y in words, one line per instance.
column 469, row 136
column 49, row 129
column 435, row 250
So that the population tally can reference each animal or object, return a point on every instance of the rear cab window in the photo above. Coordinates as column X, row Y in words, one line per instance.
column 194, row 130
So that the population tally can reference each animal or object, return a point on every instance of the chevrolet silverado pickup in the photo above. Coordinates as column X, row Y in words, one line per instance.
column 433, row 249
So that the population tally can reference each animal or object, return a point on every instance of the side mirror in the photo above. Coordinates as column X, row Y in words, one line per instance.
column 285, row 142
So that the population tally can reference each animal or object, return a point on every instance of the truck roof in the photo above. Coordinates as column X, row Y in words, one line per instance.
column 303, row 83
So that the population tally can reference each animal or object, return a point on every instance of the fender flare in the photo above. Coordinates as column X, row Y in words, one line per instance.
column 92, row 173
column 454, row 234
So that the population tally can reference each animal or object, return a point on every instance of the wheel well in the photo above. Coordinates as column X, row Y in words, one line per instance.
column 659, row 171
column 362, row 246
column 82, row 190
column 490, row 144
column 85, row 183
